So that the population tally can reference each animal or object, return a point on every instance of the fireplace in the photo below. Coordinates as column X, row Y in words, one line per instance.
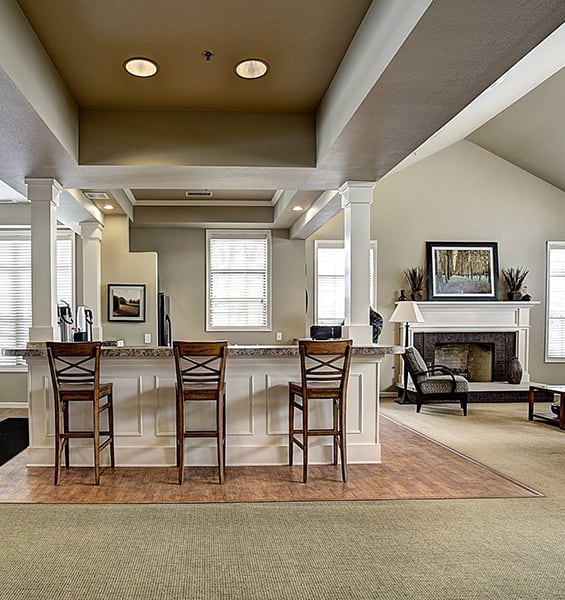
column 497, row 331
column 479, row 356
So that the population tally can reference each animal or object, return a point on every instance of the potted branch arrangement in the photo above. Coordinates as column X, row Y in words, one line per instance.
column 514, row 278
column 416, row 277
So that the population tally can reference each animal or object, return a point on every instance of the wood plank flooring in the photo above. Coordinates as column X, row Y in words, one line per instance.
column 413, row 467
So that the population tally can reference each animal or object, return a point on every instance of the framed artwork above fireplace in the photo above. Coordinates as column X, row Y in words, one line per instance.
column 462, row 270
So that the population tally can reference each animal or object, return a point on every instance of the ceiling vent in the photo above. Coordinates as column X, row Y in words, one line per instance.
column 97, row 195
column 199, row 194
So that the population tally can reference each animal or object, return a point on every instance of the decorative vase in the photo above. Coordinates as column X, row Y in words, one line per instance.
column 514, row 296
column 402, row 296
column 417, row 296
column 514, row 371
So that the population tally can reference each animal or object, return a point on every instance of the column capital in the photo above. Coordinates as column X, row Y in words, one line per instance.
column 43, row 190
column 357, row 192
column 91, row 230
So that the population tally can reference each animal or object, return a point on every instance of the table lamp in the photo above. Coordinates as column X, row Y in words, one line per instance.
column 406, row 312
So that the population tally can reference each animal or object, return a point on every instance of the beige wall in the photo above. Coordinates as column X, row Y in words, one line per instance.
column 465, row 194
column 182, row 273
column 13, row 387
column 119, row 265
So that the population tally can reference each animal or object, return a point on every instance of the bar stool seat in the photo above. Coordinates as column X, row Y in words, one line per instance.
column 200, row 376
column 75, row 375
column 324, row 367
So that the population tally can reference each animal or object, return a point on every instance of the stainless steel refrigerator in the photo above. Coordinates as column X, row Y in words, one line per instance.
column 164, row 325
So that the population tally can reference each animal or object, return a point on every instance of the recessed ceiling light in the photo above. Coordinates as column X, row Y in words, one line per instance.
column 108, row 207
column 297, row 208
column 251, row 68
column 140, row 67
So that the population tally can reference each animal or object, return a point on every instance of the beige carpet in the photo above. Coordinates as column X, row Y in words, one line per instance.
column 463, row 549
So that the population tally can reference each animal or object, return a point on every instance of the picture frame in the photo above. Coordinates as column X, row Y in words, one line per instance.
column 462, row 270
column 126, row 302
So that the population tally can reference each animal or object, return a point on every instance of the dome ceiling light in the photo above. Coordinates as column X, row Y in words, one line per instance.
column 140, row 67
column 251, row 68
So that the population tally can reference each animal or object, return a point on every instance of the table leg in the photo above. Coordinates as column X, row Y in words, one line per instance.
column 531, row 405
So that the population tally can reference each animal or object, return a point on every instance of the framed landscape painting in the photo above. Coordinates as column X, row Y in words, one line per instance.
column 126, row 302
column 462, row 270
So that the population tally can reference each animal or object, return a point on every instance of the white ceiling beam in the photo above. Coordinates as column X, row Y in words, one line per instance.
column 322, row 210
column 381, row 33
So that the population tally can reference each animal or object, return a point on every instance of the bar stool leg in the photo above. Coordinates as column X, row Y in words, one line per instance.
column 96, row 435
column 66, row 428
column 58, row 448
column 342, row 439
column 110, row 410
column 180, row 437
column 304, row 439
column 290, row 427
column 220, row 434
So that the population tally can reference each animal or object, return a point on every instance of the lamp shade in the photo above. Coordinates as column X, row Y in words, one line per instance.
column 406, row 312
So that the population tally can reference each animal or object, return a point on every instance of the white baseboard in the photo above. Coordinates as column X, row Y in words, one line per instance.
column 13, row 405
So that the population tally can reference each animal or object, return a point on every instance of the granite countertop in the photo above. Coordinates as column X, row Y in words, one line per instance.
column 38, row 350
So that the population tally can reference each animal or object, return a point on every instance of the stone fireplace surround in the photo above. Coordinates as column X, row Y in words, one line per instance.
column 503, row 343
column 478, row 322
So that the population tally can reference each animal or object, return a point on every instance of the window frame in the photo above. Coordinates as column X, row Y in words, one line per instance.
column 240, row 234
column 340, row 244
column 550, row 245
column 23, row 233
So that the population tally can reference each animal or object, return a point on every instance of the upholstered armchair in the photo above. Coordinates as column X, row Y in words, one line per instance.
column 435, row 384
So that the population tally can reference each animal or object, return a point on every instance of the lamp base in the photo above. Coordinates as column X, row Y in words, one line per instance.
column 402, row 396
column 403, row 401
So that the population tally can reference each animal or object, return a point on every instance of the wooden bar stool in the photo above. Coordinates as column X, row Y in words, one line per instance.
column 75, row 373
column 324, row 367
column 200, row 376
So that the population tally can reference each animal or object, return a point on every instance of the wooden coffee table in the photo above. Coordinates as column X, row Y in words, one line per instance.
column 551, row 417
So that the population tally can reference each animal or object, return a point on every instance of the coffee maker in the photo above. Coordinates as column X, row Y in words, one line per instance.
column 65, row 321
column 83, row 324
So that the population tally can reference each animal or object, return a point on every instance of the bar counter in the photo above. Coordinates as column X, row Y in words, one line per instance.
column 256, row 406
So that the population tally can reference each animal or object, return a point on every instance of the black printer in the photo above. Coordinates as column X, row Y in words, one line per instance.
column 325, row 332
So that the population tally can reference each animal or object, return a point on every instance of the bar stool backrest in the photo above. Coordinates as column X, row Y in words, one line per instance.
column 325, row 361
column 75, row 364
column 201, row 364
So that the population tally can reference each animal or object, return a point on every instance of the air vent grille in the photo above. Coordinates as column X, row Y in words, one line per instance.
column 198, row 194
column 97, row 195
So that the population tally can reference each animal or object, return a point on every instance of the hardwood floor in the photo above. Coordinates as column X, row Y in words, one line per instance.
column 413, row 467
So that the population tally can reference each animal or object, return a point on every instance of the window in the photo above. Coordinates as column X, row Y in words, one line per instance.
column 15, row 283
column 330, row 281
column 555, row 317
column 238, row 280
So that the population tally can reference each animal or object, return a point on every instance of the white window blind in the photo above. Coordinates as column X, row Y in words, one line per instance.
column 330, row 282
column 555, row 322
column 15, row 283
column 238, row 280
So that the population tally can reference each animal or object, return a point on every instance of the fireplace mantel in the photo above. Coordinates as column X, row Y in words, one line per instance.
column 479, row 316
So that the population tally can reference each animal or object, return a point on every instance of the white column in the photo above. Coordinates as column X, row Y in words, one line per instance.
column 91, row 233
column 44, row 197
column 357, row 197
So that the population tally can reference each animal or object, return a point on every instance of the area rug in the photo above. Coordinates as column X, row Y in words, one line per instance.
column 413, row 467
column 14, row 437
